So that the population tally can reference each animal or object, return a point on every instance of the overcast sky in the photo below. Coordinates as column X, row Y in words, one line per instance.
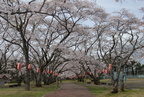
column 132, row 5
column 112, row 5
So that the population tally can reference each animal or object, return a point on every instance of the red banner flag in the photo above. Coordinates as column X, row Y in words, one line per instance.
column 19, row 66
column 38, row 70
column 29, row 66
column 110, row 67
column 90, row 73
column 99, row 71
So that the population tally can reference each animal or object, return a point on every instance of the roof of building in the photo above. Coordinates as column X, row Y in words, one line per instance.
column 3, row 76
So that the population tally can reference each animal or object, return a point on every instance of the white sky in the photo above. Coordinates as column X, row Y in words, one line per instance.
column 132, row 5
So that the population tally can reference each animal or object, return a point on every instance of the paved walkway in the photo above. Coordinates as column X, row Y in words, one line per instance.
column 69, row 89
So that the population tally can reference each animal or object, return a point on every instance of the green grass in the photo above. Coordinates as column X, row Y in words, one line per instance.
column 105, row 80
column 128, row 80
column 99, row 91
column 69, row 80
column 105, row 92
column 20, row 91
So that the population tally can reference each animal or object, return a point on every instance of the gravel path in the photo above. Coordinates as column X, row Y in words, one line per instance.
column 69, row 89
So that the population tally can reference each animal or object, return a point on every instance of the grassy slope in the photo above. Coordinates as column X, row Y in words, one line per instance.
column 20, row 91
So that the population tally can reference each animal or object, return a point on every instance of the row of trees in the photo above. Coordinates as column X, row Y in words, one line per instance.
column 52, row 36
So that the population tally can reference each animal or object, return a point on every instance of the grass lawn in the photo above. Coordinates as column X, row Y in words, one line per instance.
column 135, row 88
column 128, row 80
column 20, row 91
column 105, row 91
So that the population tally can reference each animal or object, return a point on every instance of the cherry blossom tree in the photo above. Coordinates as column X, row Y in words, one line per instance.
column 120, row 43
column 84, row 65
column 16, row 74
column 15, row 19
column 51, row 35
column 56, row 30
column 9, row 59
column 60, row 17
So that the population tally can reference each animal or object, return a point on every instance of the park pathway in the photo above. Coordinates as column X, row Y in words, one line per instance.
column 69, row 89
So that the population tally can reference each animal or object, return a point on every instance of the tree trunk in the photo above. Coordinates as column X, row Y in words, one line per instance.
column 27, row 76
column 27, row 80
column 122, row 80
column 132, row 70
column 97, row 81
column 115, row 86
column 116, row 80
column 38, row 80
column 19, row 80
column 122, row 85
column 45, row 79
column 26, row 54
column 80, row 79
column 49, row 80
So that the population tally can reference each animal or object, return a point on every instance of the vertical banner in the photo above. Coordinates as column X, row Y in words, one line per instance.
column 19, row 66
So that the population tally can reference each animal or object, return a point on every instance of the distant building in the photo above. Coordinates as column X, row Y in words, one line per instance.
column 3, row 79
